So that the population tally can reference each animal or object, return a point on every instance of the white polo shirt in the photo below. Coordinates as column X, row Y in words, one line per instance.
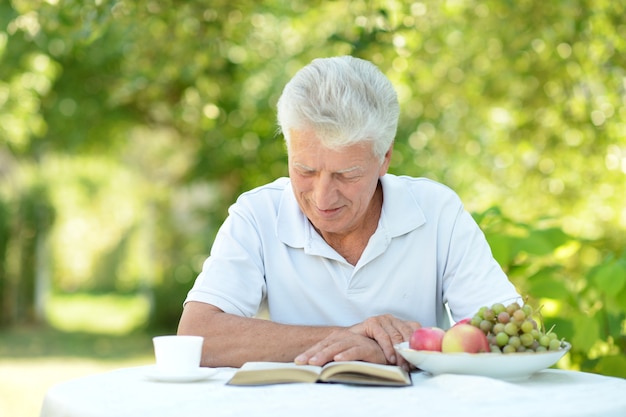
column 427, row 251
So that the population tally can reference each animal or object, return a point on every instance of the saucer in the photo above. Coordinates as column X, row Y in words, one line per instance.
column 198, row 374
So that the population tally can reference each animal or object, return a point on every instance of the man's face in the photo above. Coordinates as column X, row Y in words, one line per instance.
column 334, row 188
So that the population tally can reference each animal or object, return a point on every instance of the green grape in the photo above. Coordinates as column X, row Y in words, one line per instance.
column 498, row 328
column 552, row 335
column 481, row 311
column 508, row 349
column 527, row 339
column 541, row 349
column 486, row 326
column 475, row 321
column 555, row 344
column 498, row 308
column 516, row 322
column 489, row 315
column 519, row 315
column 544, row 340
column 512, row 308
column 502, row 339
column 495, row 349
column 527, row 327
column 515, row 341
column 528, row 310
column 511, row 329
column 536, row 334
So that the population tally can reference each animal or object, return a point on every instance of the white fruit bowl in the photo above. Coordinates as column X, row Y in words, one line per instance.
column 506, row 366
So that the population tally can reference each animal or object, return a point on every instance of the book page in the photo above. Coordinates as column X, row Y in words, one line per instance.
column 358, row 372
column 262, row 373
column 255, row 366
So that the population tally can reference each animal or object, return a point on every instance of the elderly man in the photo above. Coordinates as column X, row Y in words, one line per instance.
column 350, row 259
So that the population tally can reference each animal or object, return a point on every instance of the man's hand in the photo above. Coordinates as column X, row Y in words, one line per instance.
column 342, row 345
column 370, row 341
column 387, row 331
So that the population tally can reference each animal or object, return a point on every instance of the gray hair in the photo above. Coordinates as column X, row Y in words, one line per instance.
column 344, row 100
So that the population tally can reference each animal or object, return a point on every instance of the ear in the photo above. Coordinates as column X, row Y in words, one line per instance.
column 386, row 161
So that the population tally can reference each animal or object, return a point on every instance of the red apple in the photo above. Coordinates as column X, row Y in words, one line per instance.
column 464, row 321
column 464, row 338
column 427, row 338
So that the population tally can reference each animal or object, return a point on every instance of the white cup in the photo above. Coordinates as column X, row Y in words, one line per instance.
column 177, row 354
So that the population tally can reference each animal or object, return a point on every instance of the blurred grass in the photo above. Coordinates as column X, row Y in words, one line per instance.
column 47, row 342
column 98, row 313
column 85, row 334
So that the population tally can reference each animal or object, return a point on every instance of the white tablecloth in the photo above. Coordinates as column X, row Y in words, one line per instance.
column 129, row 393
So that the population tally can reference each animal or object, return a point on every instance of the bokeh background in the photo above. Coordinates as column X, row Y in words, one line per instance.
column 128, row 127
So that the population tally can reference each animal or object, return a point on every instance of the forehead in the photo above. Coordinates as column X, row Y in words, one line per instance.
column 307, row 146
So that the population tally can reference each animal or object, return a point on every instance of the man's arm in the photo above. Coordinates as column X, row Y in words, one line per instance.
column 231, row 340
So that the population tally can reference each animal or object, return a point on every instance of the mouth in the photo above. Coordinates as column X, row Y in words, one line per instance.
column 326, row 213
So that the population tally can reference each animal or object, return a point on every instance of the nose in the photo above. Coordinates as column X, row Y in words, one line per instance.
column 325, row 191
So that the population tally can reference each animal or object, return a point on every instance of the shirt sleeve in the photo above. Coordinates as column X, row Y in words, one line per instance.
column 232, row 277
column 471, row 276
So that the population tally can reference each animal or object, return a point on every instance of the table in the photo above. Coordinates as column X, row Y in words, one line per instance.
column 128, row 392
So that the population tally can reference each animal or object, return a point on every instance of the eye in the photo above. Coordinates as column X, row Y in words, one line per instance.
column 305, row 172
column 351, row 177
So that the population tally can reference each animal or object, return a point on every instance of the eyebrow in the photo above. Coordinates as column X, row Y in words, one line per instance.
column 341, row 171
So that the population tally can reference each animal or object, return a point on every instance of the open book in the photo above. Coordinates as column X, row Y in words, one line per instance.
column 349, row 372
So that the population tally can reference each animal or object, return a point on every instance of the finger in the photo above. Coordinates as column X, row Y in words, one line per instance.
column 388, row 335
column 304, row 357
column 403, row 363
column 366, row 352
column 391, row 332
column 387, row 331
column 399, row 330
column 406, row 328
column 324, row 351
column 325, row 355
column 386, row 345
column 313, row 356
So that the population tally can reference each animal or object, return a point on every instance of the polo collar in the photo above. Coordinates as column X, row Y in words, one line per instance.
column 400, row 214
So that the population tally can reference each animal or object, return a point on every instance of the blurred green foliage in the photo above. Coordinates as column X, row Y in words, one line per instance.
column 579, row 286
column 127, row 128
